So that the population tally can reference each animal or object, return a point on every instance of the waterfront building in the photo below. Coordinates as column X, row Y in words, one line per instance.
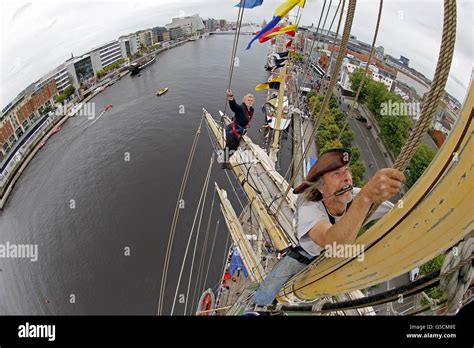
column 176, row 33
column 129, row 45
column 158, row 33
column 22, row 114
column 59, row 75
column 146, row 38
column 190, row 25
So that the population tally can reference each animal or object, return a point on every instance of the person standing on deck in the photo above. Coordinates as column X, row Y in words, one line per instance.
column 330, row 212
column 243, row 114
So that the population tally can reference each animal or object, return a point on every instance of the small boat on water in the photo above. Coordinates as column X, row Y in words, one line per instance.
column 162, row 91
column 41, row 145
column 108, row 107
column 138, row 66
column 57, row 129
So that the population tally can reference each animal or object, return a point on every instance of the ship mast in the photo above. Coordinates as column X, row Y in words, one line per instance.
column 276, row 133
column 279, row 47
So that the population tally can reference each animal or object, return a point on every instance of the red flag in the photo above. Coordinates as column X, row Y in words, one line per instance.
column 288, row 44
column 264, row 39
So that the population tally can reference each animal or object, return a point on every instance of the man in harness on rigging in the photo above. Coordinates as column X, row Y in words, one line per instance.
column 330, row 212
column 243, row 114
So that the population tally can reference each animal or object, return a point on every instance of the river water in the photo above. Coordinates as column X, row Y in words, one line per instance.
column 85, row 205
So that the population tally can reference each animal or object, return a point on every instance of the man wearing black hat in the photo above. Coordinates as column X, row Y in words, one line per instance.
column 330, row 212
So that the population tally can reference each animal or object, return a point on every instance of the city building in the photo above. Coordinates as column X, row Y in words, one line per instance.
column 379, row 52
column 323, row 61
column 401, row 64
column 445, row 117
column 176, row 33
column 158, row 33
column 211, row 24
column 404, row 60
column 59, row 75
column 379, row 75
column 190, row 25
column 348, row 67
column 105, row 55
column 146, row 38
column 129, row 45
column 81, row 70
column 350, row 64
column 19, row 116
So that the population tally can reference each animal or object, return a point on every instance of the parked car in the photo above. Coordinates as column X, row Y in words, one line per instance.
column 361, row 119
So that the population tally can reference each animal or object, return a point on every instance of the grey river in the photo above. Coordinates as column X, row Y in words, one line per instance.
column 119, row 204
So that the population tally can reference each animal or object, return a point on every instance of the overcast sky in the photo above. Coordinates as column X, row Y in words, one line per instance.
column 38, row 35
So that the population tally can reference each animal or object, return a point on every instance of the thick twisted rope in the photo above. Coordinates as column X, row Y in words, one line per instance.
column 335, row 39
column 435, row 93
column 290, row 166
column 308, row 65
column 335, row 72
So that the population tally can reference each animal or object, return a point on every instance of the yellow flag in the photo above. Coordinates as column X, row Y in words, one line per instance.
column 287, row 6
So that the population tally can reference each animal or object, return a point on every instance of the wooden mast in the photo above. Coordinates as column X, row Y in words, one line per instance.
column 276, row 131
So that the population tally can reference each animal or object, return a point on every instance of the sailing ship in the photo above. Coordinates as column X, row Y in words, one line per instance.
column 263, row 229
column 138, row 66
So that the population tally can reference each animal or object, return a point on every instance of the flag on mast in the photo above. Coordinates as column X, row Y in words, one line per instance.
column 280, row 12
column 249, row 3
column 272, row 84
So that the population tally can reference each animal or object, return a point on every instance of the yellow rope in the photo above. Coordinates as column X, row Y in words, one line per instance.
column 335, row 72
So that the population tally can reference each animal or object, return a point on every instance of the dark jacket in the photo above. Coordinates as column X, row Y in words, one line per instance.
column 242, row 115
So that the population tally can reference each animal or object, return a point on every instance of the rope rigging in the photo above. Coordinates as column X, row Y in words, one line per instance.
column 337, row 34
column 175, row 218
column 366, row 70
column 240, row 16
column 203, row 253
column 308, row 64
column 198, row 232
column 456, row 277
column 306, row 127
column 444, row 61
column 210, row 254
column 335, row 72
column 203, row 191
column 434, row 94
